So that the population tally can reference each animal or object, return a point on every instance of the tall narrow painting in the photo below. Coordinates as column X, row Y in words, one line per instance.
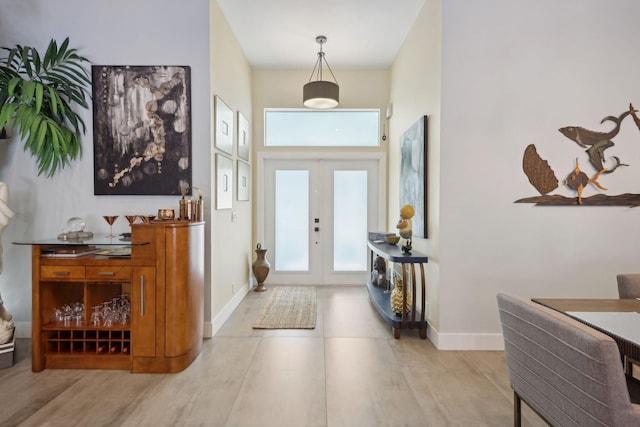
column 413, row 174
column 141, row 129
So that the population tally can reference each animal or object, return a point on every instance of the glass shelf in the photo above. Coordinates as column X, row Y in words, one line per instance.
column 96, row 240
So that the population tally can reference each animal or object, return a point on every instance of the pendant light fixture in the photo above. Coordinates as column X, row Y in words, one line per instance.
column 320, row 94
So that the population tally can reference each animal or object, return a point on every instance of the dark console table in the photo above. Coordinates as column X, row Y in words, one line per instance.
column 415, row 318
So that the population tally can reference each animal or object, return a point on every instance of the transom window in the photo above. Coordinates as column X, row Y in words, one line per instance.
column 321, row 128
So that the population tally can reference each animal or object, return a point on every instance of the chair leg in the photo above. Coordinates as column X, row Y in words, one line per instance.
column 517, row 410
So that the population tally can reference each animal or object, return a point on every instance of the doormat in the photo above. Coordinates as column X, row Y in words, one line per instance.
column 289, row 307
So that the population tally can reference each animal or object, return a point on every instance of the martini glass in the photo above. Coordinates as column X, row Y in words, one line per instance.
column 131, row 218
column 110, row 220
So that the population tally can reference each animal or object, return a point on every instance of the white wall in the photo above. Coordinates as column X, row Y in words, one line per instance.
column 116, row 32
column 513, row 73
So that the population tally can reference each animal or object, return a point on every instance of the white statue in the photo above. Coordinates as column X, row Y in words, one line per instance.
column 6, row 325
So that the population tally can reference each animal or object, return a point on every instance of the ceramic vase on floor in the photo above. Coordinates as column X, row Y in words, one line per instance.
column 260, row 268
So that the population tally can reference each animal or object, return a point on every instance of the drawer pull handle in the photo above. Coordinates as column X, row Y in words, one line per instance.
column 106, row 273
column 61, row 273
column 141, row 295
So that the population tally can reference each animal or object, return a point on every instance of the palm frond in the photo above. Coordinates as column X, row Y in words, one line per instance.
column 38, row 95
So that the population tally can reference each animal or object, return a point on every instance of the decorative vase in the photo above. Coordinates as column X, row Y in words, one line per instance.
column 260, row 268
column 396, row 298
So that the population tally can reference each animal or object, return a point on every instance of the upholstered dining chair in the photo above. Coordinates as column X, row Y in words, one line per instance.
column 568, row 373
column 628, row 285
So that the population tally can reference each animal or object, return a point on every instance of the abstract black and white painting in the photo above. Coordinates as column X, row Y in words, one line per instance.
column 413, row 174
column 141, row 129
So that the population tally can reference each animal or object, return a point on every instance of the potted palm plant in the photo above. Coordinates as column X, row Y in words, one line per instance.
column 38, row 95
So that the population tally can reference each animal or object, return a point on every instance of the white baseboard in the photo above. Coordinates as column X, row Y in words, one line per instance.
column 465, row 341
column 228, row 309
column 207, row 330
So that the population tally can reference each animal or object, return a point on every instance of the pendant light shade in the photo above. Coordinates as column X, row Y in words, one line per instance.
column 321, row 94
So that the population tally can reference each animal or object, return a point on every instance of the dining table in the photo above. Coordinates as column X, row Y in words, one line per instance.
column 617, row 318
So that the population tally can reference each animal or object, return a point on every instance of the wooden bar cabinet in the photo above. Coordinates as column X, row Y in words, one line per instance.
column 164, row 278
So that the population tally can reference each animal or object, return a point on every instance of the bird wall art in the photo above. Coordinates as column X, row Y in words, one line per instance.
column 594, row 145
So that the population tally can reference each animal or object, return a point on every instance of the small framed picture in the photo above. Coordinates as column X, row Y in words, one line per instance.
column 224, row 126
column 224, row 182
column 244, row 139
column 244, row 179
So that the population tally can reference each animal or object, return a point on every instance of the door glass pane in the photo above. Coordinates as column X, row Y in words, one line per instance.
column 292, row 220
column 350, row 220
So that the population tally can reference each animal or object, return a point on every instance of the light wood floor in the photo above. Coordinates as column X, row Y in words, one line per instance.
column 349, row 371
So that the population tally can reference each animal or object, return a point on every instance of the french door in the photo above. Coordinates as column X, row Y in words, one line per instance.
column 316, row 216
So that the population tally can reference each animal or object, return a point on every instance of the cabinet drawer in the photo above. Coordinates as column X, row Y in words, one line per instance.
column 61, row 272
column 109, row 273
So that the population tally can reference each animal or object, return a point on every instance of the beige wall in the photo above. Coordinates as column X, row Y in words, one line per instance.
column 415, row 92
column 231, row 246
column 283, row 89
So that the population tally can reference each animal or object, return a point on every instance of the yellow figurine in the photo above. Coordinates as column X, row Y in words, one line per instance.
column 404, row 226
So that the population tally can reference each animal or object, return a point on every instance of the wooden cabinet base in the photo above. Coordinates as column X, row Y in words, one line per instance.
column 157, row 365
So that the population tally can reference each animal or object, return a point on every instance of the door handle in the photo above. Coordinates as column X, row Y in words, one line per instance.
column 141, row 295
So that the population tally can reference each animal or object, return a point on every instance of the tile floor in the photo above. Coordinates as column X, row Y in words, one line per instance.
column 349, row 371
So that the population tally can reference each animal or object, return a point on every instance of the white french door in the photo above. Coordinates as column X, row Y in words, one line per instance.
column 316, row 217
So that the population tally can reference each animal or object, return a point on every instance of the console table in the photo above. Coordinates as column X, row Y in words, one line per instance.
column 416, row 317
column 164, row 278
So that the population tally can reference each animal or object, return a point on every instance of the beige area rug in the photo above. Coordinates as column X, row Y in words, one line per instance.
column 289, row 307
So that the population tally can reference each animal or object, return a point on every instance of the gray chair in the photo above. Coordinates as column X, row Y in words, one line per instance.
column 568, row 373
column 628, row 285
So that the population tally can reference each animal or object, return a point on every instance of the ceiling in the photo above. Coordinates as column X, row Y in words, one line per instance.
column 281, row 34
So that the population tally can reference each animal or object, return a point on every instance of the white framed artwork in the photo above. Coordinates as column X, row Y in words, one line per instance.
column 224, row 182
column 244, row 140
column 224, row 126
column 244, row 177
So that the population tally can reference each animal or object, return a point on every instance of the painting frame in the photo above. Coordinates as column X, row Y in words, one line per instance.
column 413, row 174
column 224, row 126
column 224, row 182
column 244, row 137
column 142, row 129
column 244, row 181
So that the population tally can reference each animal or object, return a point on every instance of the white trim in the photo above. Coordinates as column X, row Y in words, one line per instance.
column 262, row 156
column 465, row 341
column 228, row 309
column 207, row 330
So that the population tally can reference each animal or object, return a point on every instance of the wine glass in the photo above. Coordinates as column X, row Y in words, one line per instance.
column 110, row 220
column 95, row 316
